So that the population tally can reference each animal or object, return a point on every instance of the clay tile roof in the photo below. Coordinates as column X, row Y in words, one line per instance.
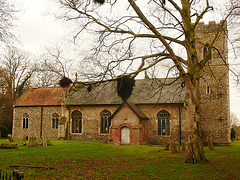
column 41, row 97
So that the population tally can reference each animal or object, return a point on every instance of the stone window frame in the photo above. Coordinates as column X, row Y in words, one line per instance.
column 55, row 120
column 25, row 121
column 163, row 123
column 77, row 122
column 208, row 89
column 105, row 121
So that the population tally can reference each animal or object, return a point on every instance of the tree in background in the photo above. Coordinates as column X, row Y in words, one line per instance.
column 51, row 68
column 133, row 36
column 235, row 126
column 15, row 78
column 234, row 121
column 7, row 15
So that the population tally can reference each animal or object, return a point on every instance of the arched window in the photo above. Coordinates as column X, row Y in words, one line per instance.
column 25, row 120
column 105, row 121
column 205, row 49
column 76, row 122
column 163, row 123
column 55, row 120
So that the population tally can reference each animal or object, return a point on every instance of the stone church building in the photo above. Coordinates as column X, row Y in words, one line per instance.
column 154, row 111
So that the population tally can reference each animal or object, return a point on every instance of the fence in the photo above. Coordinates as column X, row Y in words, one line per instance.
column 16, row 175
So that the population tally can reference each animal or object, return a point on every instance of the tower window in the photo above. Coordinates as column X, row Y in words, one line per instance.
column 205, row 50
column 208, row 90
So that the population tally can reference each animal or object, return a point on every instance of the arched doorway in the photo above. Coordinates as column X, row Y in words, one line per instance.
column 125, row 135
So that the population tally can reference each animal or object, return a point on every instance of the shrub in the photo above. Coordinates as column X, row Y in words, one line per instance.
column 233, row 134
column 4, row 131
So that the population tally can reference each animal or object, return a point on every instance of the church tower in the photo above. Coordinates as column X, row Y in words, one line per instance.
column 214, row 83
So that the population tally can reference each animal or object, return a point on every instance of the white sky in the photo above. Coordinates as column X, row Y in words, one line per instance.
column 37, row 30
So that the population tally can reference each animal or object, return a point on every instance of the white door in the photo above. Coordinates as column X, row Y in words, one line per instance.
column 125, row 135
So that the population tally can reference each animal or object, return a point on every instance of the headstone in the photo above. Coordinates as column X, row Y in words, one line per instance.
column 163, row 142
column 7, row 146
column 44, row 141
column 178, row 147
column 39, row 141
column 24, row 142
column 32, row 142
column 174, row 147
column 183, row 146
column 167, row 147
column 48, row 141
column 61, row 132
column 10, row 138
column 210, row 144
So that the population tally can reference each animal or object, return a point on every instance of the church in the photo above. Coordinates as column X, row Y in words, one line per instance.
column 155, row 110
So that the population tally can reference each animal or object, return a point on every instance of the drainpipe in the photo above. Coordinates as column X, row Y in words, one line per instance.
column 180, row 126
column 69, row 121
column 41, row 121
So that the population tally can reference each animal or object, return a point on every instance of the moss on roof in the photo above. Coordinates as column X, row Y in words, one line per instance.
column 41, row 97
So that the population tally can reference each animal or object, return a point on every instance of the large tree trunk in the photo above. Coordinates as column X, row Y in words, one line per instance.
column 195, row 141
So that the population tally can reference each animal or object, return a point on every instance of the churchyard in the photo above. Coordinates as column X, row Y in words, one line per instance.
column 65, row 159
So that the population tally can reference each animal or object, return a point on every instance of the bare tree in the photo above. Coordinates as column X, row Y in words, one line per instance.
column 234, row 121
column 15, row 77
column 18, row 70
column 51, row 68
column 7, row 11
column 133, row 36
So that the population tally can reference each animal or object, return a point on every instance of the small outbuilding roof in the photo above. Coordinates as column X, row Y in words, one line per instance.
column 140, row 114
column 43, row 96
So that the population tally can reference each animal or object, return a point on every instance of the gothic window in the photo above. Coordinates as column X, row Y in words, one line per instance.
column 76, row 122
column 163, row 123
column 25, row 120
column 205, row 49
column 55, row 120
column 105, row 121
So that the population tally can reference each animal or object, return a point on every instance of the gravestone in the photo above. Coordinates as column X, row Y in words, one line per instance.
column 167, row 147
column 10, row 138
column 44, row 141
column 163, row 142
column 39, row 141
column 48, row 141
column 19, row 138
column 24, row 142
column 32, row 142
column 183, row 146
column 178, row 147
column 210, row 144
column 174, row 147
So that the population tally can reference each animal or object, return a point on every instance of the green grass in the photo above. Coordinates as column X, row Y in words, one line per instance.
column 94, row 160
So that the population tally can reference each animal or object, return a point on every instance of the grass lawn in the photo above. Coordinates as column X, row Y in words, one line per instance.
column 94, row 160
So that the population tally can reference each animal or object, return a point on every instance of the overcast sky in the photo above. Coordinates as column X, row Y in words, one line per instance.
column 36, row 29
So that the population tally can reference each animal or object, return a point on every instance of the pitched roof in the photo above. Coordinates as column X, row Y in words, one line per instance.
column 134, row 108
column 41, row 97
column 145, row 91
